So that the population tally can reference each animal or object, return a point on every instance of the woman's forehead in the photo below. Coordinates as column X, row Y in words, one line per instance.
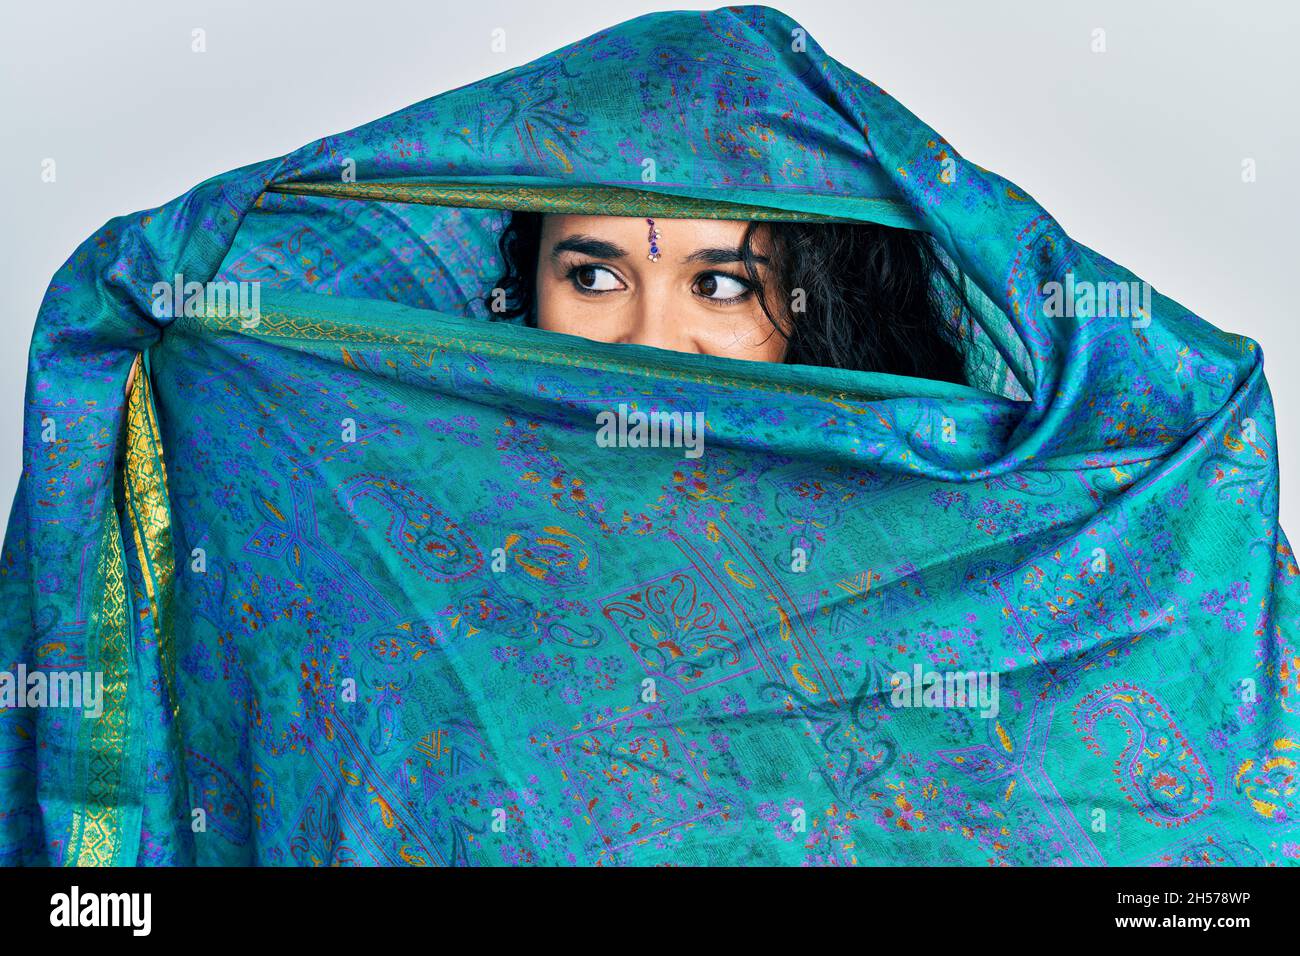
column 631, row 232
column 701, row 231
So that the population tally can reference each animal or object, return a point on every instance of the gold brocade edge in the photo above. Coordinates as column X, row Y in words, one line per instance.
column 287, row 325
column 97, row 822
column 602, row 200
column 148, row 506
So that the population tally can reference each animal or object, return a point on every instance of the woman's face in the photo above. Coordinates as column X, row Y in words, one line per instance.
column 594, row 280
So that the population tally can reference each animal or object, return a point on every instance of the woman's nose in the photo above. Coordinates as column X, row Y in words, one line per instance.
column 654, row 323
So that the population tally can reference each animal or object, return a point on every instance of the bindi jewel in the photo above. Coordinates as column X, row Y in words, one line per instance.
column 654, row 241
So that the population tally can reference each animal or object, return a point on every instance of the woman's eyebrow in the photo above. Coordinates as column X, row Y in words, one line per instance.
column 718, row 257
column 603, row 249
column 589, row 246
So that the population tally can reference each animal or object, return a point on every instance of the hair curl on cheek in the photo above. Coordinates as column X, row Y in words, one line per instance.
column 519, row 246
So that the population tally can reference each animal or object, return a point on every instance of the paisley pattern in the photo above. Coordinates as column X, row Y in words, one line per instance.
column 1156, row 768
column 365, row 589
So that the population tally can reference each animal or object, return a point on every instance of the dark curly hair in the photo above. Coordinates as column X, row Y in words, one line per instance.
column 877, row 299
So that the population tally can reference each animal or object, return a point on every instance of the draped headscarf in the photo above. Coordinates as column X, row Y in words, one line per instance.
column 361, row 586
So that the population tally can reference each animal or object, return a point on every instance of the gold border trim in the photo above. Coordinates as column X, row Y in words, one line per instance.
column 97, row 822
column 602, row 200
column 96, row 834
column 477, row 337
column 148, row 508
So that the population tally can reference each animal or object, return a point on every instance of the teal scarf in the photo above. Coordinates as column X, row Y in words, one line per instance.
column 351, row 574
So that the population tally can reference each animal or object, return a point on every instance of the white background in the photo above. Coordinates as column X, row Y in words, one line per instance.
column 1136, row 151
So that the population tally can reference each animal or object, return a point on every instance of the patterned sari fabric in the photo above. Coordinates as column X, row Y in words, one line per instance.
column 362, row 587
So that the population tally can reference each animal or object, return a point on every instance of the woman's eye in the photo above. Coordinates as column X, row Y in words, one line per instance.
column 589, row 279
column 722, row 287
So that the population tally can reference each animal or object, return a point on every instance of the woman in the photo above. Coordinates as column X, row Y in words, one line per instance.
column 845, row 295
column 973, row 557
